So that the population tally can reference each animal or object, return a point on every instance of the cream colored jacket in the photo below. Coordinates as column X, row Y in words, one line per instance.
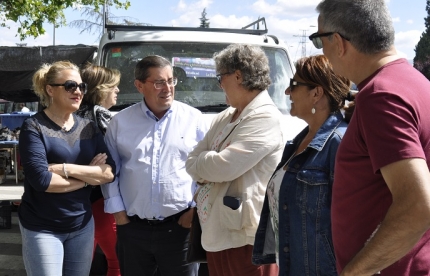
column 241, row 168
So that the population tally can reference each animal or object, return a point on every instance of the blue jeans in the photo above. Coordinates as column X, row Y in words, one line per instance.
column 53, row 254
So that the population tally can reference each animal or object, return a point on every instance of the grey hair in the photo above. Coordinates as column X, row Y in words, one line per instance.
column 367, row 23
column 250, row 60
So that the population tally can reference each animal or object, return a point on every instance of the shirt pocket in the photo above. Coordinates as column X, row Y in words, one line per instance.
column 313, row 192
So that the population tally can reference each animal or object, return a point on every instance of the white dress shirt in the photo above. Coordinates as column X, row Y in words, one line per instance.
column 150, row 157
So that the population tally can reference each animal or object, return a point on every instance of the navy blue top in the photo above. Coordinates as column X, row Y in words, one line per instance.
column 42, row 142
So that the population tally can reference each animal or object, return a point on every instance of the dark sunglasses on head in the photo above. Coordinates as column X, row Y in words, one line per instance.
column 71, row 86
column 316, row 38
column 294, row 83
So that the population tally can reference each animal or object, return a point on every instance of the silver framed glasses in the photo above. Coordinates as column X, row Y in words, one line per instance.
column 161, row 83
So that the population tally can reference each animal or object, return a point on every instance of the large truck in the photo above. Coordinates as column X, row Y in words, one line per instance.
column 190, row 51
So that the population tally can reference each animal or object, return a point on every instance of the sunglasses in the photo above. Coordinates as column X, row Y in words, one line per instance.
column 316, row 38
column 71, row 86
column 294, row 83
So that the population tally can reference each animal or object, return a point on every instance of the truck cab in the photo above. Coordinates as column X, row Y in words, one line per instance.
column 190, row 51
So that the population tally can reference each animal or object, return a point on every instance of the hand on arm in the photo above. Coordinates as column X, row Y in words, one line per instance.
column 60, row 184
column 407, row 219
column 96, row 173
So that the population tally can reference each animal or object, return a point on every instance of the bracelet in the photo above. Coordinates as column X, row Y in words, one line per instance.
column 65, row 171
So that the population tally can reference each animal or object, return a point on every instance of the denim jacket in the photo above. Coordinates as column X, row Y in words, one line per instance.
column 305, row 242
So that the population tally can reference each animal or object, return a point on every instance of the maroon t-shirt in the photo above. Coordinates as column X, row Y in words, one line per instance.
column 391, row 122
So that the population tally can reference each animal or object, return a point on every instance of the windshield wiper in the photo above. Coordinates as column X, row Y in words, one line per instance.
column 212, row 107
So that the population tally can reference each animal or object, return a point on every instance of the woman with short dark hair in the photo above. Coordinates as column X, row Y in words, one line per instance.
column 295, row 225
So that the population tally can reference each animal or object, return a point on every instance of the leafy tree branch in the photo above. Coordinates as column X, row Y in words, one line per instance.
column 31, row 14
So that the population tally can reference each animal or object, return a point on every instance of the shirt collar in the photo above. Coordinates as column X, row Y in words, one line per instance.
column 324, row 132
column 151, row 115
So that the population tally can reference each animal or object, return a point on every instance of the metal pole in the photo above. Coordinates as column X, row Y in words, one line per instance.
column 104, row 17
column 53, row 42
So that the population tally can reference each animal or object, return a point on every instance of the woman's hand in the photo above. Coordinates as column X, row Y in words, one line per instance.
column 99, row 159
column 60, row 169
column 202, row 182
column 55, row 168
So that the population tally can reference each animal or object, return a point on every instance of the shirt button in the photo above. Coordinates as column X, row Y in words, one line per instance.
column 286, row 249
column 285, row 207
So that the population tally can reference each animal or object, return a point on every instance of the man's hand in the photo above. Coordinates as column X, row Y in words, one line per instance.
column 121, row 218
column 187, row 218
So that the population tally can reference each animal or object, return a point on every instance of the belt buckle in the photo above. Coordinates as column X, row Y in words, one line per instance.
column 153, row 221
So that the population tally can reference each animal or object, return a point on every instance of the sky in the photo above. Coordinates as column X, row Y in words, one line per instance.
column 289, row 20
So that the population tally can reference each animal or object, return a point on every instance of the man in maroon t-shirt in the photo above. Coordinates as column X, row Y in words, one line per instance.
column 381, row 191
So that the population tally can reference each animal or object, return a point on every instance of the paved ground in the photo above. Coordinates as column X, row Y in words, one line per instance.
column 11, row 263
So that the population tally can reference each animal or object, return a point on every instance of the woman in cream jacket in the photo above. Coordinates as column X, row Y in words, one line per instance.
column 236, row 159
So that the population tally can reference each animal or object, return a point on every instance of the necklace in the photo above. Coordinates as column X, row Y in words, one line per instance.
column 64, row 124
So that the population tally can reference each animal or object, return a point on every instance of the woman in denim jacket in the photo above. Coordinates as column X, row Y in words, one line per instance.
column 294, row 228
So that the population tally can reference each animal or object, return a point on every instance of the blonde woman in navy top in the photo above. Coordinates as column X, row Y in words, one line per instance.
column 63, row 155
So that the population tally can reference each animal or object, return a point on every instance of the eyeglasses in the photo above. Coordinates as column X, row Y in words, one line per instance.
column 316, row 38
column 218, row 76
column 294, row 83
column 71, row 86
column 161, row 84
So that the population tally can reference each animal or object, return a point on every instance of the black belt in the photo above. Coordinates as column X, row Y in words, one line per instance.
column 174, row 217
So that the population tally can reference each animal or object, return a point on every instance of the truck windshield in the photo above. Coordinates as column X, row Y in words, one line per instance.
column 195, row 69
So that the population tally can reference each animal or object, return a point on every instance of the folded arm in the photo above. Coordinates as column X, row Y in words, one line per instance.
column 249, row 144
column 91, row 174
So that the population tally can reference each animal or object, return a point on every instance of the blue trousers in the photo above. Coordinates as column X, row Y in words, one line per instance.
column 143, row 249
column 53, row 254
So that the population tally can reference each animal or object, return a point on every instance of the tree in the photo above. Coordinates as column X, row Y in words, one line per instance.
column 422, row 49
column 32, row 14
column 204, row 22
column 94, row 22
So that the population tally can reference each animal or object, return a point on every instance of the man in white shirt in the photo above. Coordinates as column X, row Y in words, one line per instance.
column 24, row 108
column 152, row 195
